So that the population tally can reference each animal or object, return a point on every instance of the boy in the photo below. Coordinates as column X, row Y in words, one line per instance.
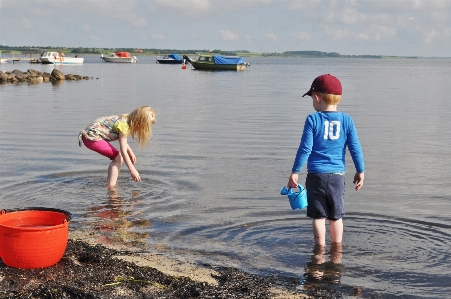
column 323, row 146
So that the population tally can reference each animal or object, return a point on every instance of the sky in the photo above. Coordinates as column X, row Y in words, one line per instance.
column 348, row 27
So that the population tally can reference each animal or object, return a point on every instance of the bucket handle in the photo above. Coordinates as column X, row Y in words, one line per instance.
column 65, row 220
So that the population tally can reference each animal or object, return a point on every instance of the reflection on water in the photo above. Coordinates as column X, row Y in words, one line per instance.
column 323, row 269
column 115, row 220
column 320, row 270
column 323, row 273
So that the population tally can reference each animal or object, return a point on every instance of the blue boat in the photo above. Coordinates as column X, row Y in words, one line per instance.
column 217, row 62
column 171, row 59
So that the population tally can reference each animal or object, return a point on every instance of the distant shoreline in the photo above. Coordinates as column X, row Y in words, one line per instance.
column 10, row 55
column 33, row 51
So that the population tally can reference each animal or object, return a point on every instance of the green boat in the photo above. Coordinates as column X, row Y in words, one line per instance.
column 217, row 62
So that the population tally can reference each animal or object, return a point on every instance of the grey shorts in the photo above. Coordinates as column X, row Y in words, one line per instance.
column 325, row 195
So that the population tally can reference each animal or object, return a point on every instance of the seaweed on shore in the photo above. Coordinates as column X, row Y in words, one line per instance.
column 91, row 271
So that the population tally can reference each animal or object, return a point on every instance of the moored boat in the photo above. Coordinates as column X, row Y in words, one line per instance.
column 217, row 62
column 171, row 59
column 59, row 58
column 121, row 57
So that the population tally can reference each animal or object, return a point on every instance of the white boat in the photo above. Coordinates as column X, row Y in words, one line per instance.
column 56, row 58
column 123, row 57
column 3, row 60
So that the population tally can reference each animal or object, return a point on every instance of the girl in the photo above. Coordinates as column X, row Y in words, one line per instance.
column 100, row 132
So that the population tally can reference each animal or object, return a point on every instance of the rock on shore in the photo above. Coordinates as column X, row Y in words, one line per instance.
column 34, row 76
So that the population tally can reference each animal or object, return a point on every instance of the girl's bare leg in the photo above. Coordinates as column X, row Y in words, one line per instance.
column 336, row 230
column 319, row 231
column 113, row 171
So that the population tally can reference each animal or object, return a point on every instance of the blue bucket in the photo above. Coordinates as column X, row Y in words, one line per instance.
column 298, row 200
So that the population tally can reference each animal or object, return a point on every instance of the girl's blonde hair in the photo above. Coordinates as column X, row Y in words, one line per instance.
column 330, row 99
column 140, row 122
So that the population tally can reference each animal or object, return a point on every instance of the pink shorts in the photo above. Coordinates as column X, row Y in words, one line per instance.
column 102, row 147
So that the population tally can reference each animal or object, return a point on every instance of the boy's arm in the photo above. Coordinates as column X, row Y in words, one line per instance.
column 304, row 150
column 357, row 157
column 355, row 149
column 305, row 147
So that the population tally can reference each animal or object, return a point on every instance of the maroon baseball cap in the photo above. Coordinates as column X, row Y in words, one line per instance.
column 326, row 84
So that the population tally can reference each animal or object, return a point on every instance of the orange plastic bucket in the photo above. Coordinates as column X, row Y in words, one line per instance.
column 33, row 237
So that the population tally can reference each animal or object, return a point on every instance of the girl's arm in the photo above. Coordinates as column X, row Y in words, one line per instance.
column 131, row 154
column 124, row 148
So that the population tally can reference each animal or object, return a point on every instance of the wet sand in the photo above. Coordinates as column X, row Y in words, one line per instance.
column 90, row 270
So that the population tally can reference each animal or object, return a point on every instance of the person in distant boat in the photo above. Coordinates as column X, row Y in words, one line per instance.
column 325, row 137
column 98, row 135
column 61, row 56
column 54, row 58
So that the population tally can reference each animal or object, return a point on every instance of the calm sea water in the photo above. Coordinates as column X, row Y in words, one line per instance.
column 222, row 149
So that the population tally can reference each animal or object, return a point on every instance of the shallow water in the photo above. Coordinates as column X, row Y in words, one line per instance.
column 222, row 149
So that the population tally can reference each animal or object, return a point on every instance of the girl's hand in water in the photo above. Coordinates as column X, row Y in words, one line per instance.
column 135, row 175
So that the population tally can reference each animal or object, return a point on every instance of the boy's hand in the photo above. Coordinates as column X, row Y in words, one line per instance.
column 358, row 180
column 293, row 181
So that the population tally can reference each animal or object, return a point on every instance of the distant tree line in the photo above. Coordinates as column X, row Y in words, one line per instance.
column 320, row 54
column 153, row 51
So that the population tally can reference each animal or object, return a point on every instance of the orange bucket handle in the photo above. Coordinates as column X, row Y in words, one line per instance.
column 65, row 220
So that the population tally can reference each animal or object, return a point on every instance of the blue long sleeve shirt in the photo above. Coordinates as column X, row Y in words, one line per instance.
column 323, row 144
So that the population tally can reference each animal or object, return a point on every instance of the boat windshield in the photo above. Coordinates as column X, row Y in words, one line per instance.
column 203, row 58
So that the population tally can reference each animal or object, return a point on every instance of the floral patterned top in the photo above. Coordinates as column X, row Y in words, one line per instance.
column 106, row 128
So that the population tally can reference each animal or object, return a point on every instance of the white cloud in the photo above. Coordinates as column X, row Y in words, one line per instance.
column 25, row 23
column 270, row 36
column 191, row 7
column 430, row 36
column 157, row 36
column 351, row 16
column 304, row 36
column 304, row 5
column 385, row 32
column 229, row 35
column 336, row 33
column 138, row 23
column 124, row 10
column 248, row 38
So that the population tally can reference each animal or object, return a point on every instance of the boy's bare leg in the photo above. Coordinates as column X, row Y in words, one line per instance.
column 113, row 171
column 336, row 253
column 318, row 254
column 336, row 230
column 319, row 231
